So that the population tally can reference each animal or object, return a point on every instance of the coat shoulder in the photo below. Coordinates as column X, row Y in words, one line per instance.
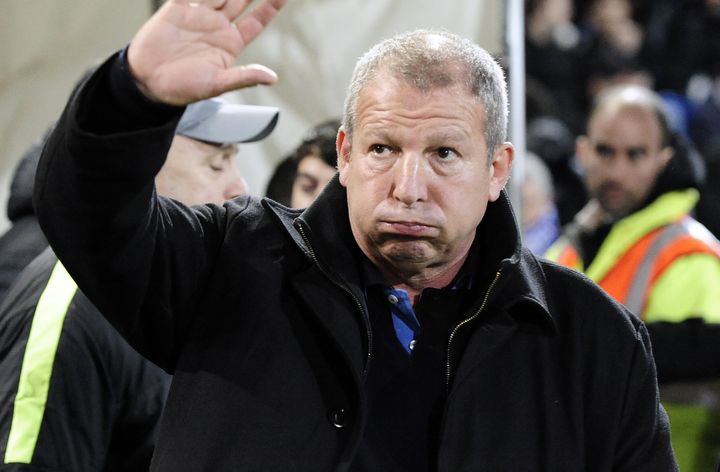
column 573, row 297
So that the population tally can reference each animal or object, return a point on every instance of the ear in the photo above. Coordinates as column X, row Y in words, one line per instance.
column 582, row 148
column 500, row 169
column 666, row 154
column 342, row 144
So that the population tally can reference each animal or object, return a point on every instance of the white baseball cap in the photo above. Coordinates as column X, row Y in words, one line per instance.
column 218, row 121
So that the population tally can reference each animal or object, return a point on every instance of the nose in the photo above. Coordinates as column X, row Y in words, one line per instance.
column 235, row 183
column 618, row 168
column 410, row 179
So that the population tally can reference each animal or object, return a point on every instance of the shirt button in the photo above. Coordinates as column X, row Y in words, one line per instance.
column 338, row 418
column 392, row 299
column 412, row 345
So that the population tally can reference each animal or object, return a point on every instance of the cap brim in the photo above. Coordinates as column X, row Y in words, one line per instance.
column 220, row 122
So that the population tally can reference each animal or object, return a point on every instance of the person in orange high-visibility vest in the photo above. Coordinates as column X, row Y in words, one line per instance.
column 637, row 240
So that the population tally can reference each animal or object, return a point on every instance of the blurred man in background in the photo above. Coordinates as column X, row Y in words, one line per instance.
column 636, row 238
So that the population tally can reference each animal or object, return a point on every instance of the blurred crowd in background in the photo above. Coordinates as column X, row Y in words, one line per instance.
column 577, row 49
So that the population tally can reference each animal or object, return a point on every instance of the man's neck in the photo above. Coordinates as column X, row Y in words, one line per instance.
column 414, row 282
column 592, row 216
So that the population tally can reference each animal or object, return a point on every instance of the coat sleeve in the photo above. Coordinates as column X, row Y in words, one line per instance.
column 644, row 440
column 140, row 258
column 689, row 350
column 74, row 396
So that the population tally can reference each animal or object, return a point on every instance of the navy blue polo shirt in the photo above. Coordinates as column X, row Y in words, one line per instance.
column 406, row 381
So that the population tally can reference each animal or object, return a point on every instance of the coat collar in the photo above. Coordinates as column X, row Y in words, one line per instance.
column 323, row 233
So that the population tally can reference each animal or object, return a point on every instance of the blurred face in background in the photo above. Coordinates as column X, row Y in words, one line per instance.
column 622, row 156
column 545, row 16
column 196, row 172
column 313, row 173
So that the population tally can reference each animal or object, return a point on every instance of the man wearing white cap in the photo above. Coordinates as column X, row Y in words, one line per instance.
column 73, row 394
column 201, row 162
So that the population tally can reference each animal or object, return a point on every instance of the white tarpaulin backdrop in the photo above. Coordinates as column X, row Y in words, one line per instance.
column 312, row 45
column 46, row 45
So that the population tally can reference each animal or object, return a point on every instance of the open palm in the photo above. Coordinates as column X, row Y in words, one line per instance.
column 186, row 51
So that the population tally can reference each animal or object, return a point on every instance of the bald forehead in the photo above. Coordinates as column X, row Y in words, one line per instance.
column 630, row 96
column 612, row 112
column 635, row 101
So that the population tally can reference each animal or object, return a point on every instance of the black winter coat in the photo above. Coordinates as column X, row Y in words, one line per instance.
column 258, row 312
column 103, row 401
column 23, row 240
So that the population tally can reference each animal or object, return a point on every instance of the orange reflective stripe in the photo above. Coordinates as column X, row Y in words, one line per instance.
column 682, row 246
column 618, row 280
column 569, row 257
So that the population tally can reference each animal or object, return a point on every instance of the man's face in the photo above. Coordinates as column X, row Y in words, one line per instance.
column 196, row 172
column 622, row 155
column 312, row 175
column 417, row 175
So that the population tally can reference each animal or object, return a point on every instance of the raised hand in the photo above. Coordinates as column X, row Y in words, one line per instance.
column 186, row 51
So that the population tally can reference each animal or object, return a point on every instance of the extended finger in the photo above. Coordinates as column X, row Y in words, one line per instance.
column 233, row 8
column 244, row 76
column 215, row 4
column 230, row 8
column 252, row 24
column 212, row 4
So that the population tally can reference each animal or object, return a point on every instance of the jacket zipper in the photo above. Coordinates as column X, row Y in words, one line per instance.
column 460, row 325
column 366, row 317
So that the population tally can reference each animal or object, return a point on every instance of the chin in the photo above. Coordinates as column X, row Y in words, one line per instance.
column 411, row 252
column 618, row 213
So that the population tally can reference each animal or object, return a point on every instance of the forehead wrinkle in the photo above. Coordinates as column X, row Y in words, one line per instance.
column 384, row 93
column 395, row 108
column 380, row 132
column 444, row 134
column 416, row 118
column 450, row 135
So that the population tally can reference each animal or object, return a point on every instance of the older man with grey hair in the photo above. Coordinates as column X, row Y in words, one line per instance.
column 395, row 324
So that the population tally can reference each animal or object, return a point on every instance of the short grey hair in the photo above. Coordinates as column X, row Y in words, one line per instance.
column 430, row 59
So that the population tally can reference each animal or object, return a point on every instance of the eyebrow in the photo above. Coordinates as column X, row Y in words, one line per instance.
column 379, row 134
column 449, row 135
column 305, row 175
column 601, row 146
column 220, row 145
column 637, row 149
